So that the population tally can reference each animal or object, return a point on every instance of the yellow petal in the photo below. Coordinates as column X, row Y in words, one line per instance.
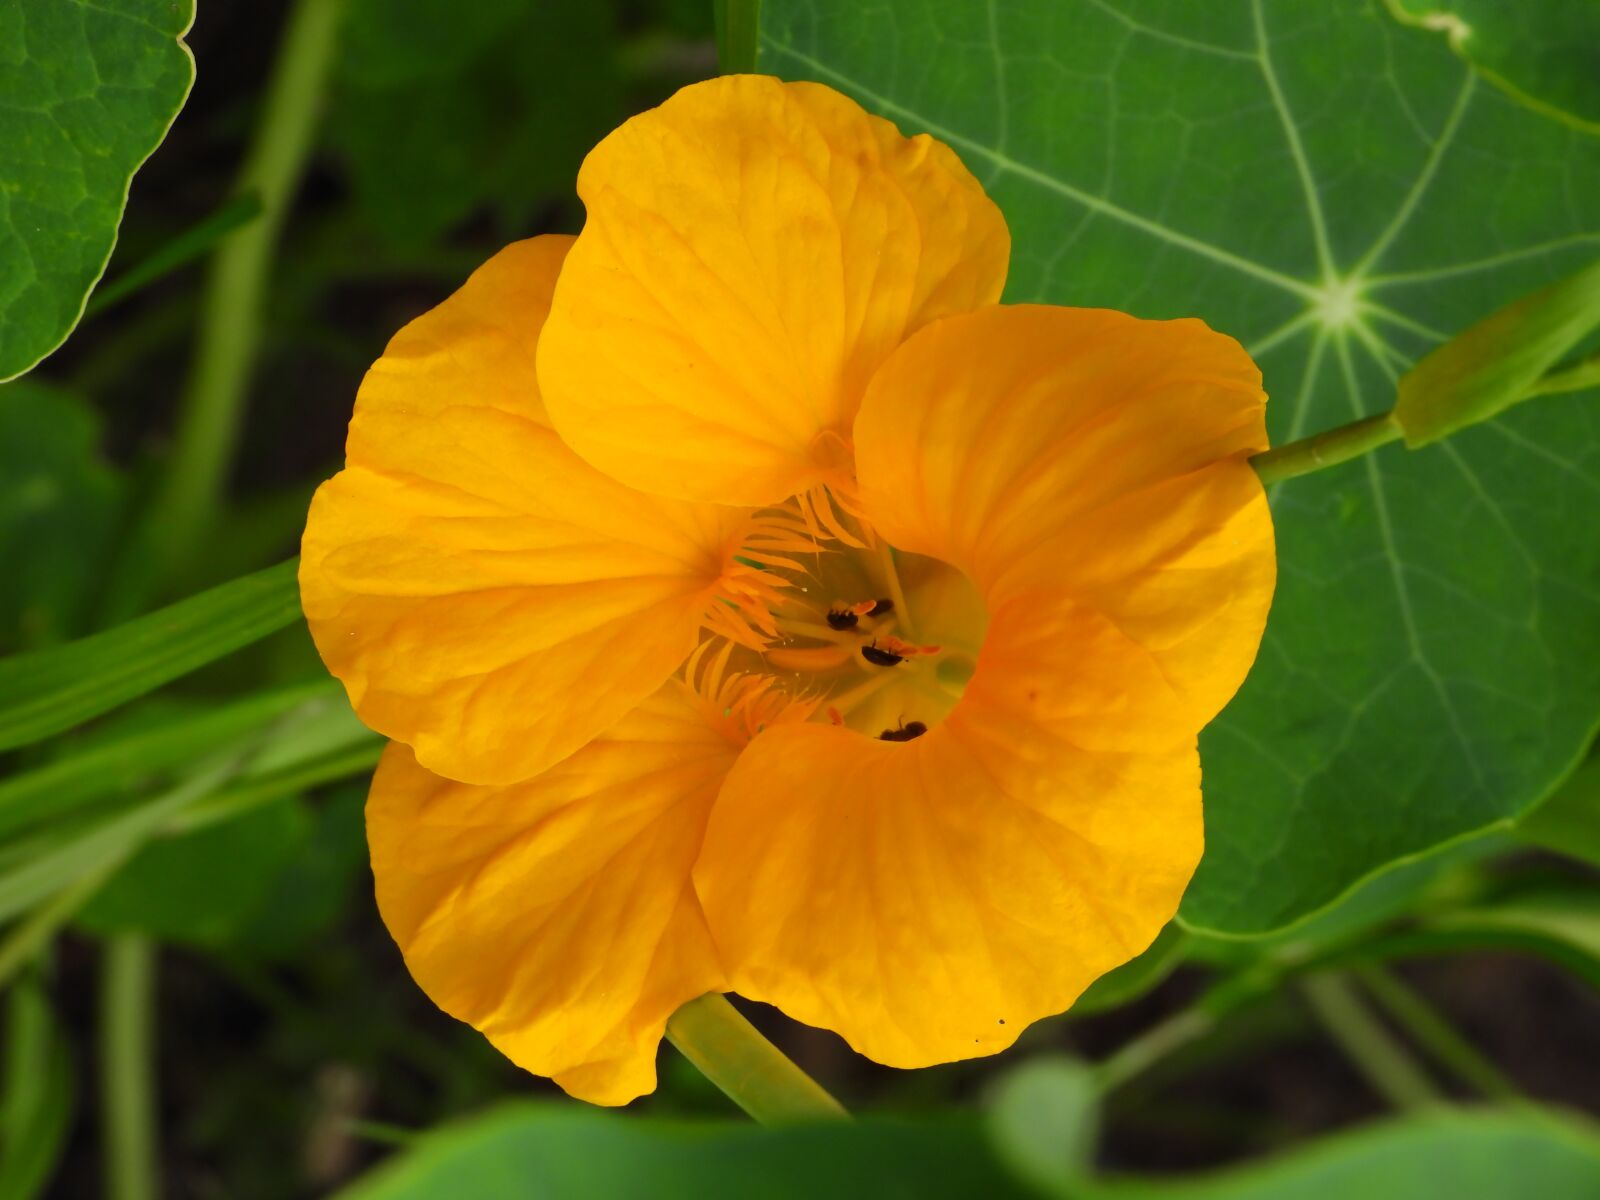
column 1088, row 471
column 484, row 594
column 753, row 250
column 927, row 900
column 557, row 915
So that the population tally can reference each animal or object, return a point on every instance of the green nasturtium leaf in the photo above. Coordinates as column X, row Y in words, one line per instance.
column 59, row 509
column 1465, row 1156
column 537, row 1151
column 1542, row 52
column 88, row 91
column 1341, row 193
column 1569, row 821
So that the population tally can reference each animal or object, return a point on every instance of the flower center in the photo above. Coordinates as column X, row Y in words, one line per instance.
column 822, row 620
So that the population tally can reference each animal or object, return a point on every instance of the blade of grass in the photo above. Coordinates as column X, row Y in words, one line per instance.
column 47, row 691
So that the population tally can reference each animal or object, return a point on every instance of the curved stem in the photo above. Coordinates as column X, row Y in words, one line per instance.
column 235, row 294
column 1137, row 1056
column 1326, row 449
column 1436, row 1035
column 750, row 1070
column 1391, row 1071
column 127, row 1087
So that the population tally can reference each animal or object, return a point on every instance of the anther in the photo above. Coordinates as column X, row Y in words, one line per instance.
column 904, row 732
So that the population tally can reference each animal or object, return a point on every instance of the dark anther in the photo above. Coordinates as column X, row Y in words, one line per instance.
column 880, row 607
column 906, row 731
column 880, row 658
column 841, row 619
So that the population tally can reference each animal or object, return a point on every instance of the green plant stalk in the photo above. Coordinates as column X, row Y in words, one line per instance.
column 750, row 1070
column 1385, row 1064
column 229, row 336
column 1135, row 1057
column 1573, row 379
column 27, row 936
column 1436, row 1035
column 127, row 1080
column 1341, row 444
column 1326, row 449
column 738, row 25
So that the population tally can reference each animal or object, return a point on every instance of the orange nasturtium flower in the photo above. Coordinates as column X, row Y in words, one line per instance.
column 757, row 605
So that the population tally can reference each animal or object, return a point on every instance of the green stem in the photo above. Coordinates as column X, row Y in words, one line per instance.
column 1326, row 449
column 127, row 1087
column 1387, row 1066
column 1574, row 379
column 750, row 1070
column 1137, row 1056
column 24, row 939
column 229, row 335
column 1436, row 1035
column 738, row 23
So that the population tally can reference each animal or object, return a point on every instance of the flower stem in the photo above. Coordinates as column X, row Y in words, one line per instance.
column 1137, row 1056
column 1436, row 1035
column 28, row 936
column 750, row 1070
column 1574, row 379
column 737, row 23
column 127, row 1088
column 229, row 335
column 1387, row 1066
column 1326, row 449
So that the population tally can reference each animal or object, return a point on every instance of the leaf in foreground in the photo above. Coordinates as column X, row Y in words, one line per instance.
column 88, row 92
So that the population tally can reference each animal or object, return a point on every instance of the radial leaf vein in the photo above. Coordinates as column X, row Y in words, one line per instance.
column 1297, row 150
column 1009, row 165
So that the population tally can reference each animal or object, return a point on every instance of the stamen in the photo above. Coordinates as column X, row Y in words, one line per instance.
column 738, row 705
column 817, row 511
column 897, row 595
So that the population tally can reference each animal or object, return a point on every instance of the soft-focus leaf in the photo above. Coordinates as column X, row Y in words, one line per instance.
column 100, row 846
column 1493, row 365
column 439, row 116
column 1569, row 822
column 310, row 891
column 36, row 1103
column 1542, row 52
column 50, row 690
column 1339, row 192
column 88, row 91
column 1044, row 1120
column 1562, row 925
column 59, row 505
column 1451, row 1156
column 204, row 887
column 537, row 1151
